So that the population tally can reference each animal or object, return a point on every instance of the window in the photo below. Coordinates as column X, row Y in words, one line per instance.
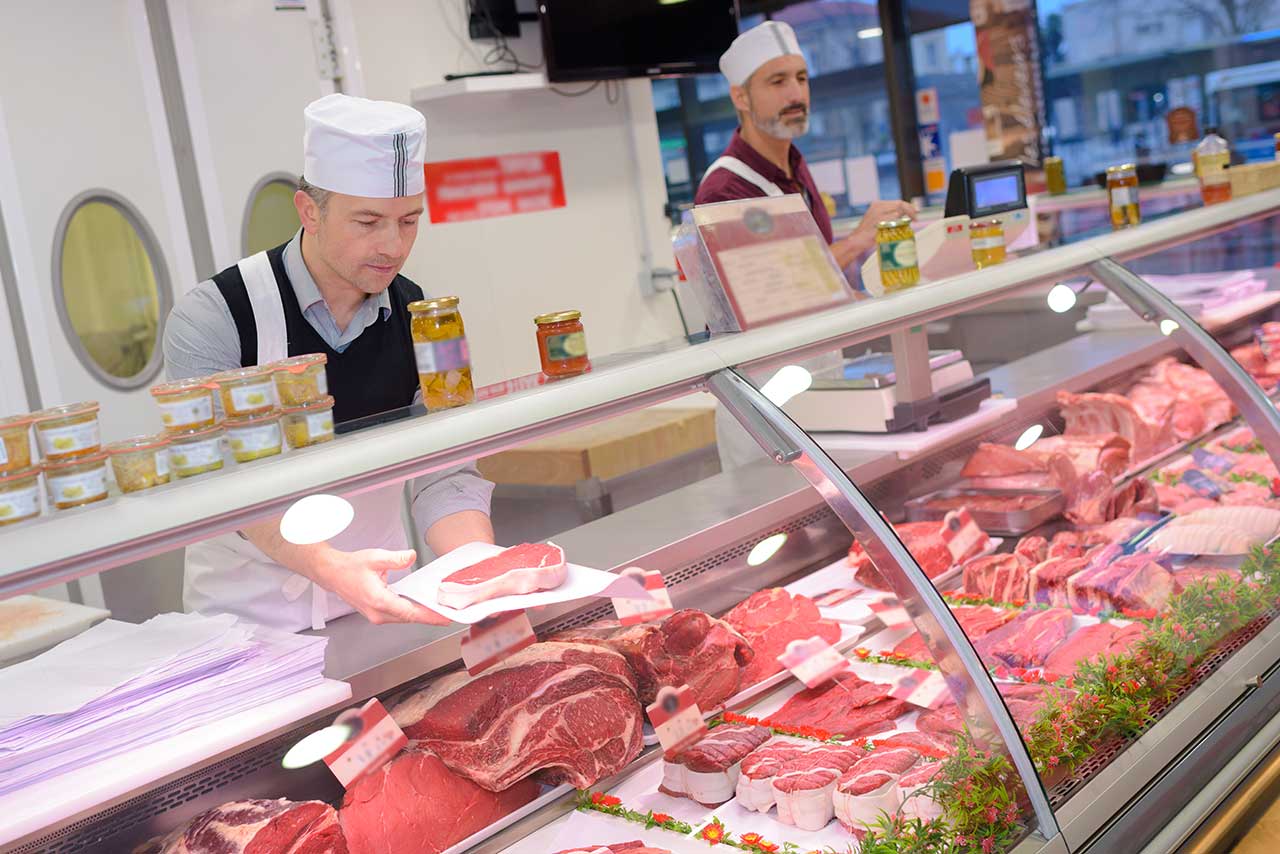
column 271, row 218
column 111, row 289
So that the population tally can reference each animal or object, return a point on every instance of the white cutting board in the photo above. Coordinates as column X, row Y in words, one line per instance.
column 32, row 624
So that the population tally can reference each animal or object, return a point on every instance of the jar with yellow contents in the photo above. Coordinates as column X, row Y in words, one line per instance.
column 986, row 242
column 196, row 451
column 245, row 391
column 896, row 248
column 185, row 404
column 440, row 347
column 19, row 495
column 67, row 432
column 309, row 424
column 1122, row 195
column 78, row 482
column 254, row 438
column 301, row 379
column 140, row 463
column 15, row 443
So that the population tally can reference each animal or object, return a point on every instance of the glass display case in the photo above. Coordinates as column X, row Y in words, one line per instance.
column 1044, row 623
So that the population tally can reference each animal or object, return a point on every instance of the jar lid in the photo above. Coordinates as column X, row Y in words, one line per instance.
column 178, row 386
column 251, row 420
column 191, row 435
column 986, row 223
column 66, row 410
column 240, row 374
column 20, row 474
column 298, row 364
column 99, row 457
column 12, row 421
column 431, row 303
column 1053, row 158
column 137, row 443
column 894, row 223
column 323, row 403
column 557, row 317
column 1123, row 167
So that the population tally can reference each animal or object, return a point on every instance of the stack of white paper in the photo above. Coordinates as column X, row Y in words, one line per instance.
column 118, row 687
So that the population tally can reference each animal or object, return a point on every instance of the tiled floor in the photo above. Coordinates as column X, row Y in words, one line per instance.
column 1263, row 837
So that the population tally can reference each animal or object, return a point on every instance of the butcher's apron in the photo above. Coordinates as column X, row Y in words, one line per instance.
column 746, row 173
column 228, row 574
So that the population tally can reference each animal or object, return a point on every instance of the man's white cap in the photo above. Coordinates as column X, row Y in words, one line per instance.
column 359, row 147
column 755, row 47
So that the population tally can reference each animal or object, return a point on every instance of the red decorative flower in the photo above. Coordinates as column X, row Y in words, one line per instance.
column 988, row 844
column 713, row 833
column 992, row 814
column 1053, row 762
column 862, row 652
column 750, row 838
column 661, row 818
column 767, row 846
column 1113, row 671
column 962, row 840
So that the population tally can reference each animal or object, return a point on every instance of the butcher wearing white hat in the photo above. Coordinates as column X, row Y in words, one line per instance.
column 769, row 85
column 334, row 288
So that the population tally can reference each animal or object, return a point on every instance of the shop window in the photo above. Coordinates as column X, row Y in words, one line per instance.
column 271, row 218
column 111, row 289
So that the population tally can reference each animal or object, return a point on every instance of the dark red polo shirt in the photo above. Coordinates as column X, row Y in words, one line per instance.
column 721, row 185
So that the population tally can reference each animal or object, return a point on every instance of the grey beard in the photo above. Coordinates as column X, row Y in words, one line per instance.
column 778, row 129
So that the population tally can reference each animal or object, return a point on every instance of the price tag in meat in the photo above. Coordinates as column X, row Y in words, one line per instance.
column 924, row 688
column 676, row 719
column 658, row 605
column 1211, row 461
column 1200, row 483
column 890, row 612
column 961, row 534
column 496, row 638
column 813, row 661
column 374, row 739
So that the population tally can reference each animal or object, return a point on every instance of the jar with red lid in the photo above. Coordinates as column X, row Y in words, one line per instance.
column 562, row 344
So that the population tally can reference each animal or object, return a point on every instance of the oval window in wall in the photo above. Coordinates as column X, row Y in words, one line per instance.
column 271, row 218
column 111, row 289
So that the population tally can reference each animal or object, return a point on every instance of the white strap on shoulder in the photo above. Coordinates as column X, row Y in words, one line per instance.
column 745, row 172
column 268, row 311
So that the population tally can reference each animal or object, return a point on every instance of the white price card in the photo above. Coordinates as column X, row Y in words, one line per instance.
column 374, row 740
column 961, row 534
column 924, row 688
column 813, row 661
column 632, row 611
column 676, row 719
column 496, row 638
column 890, row 612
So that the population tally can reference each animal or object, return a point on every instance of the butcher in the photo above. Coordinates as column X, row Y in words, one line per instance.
column 334, row 288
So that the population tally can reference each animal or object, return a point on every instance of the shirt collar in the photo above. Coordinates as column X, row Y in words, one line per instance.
column 741, row 149
column 304, row 284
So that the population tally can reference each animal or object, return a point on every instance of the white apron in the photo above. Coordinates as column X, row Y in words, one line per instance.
column 746, row 173
column 228, row 574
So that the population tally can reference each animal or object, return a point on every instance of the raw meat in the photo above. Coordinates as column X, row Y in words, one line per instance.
column 1185, row 576
column 895, row 760
column 923, row 540
column 1116, row 531
column 944, row 722
column 976, row 620
column 1108, row 453
column 770, row 619
column 995, row 466
column 415, row 804
column 869, row 788
column 1099, row 501
column 688, row 647
column 993, row 460
column 259, row 827
column 1027, row 640
column 520, row 569
column 1260, row 523
column 846, row 706
column 568, row 710
column 707, row 772
column 1096, row 414
column 1049, row 580
column 1033, row 548
column 1091, row 643
column 1002, row 577
column 617, row 848
column 755, row 778
column 1066, row 544
column 1135, row 582
column 923, row 743
column 916, row 804
column 803, row 788
column 989, row 502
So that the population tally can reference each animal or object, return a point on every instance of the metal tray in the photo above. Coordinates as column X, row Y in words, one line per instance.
column 1011, row 523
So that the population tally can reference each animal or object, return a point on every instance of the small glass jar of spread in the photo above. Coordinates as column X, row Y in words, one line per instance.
column 196, row 451
column 562, row 344
column 1122, row 195
column 185, row 404
column 140, row 463
column 1055, row 176
column 254, row 438
column 896, row 248
column 77, row 482
column 68, row 432
column 301, row 379
column 440, row 347
column 15, row 443
column 19, row 495
column 308, row 425
column 245, row 391
column 986, row 242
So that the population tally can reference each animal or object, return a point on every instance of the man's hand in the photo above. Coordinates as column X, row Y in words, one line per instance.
column 360, row 578
column 863, row 238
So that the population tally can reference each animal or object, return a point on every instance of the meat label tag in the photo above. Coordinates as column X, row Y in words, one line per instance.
column 658, row 605
column 924, row 688
column 1200, row 483
column 676, row 719
column 890, row 613
column 376, row 738
column 1213, row 462
column 961, row 534
column 496, row 638
column 813, row 661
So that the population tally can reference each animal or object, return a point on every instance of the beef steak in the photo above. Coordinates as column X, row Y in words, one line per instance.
column 1027, row 640
column 525, row 568
column 770, row 619
column 261, row 827
column 976, row 620
column 1091, row 643
column 846, row 705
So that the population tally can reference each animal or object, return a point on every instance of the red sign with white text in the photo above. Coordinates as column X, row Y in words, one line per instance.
column 485, row 187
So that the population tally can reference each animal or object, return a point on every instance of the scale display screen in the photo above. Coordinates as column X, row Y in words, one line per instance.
column 996, row 191
column 981, row 191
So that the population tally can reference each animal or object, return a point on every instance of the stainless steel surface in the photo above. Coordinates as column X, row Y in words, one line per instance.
column 1005, row 523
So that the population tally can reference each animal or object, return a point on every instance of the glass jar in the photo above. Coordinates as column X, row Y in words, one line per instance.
column 1122, row 195
column 1055, row 176
column 78, row 482
column 196, row 451
column 440, row 347
column 301, row 379
column 562, row 344
column 185, row 404
column 245, row 391
column 896, row 247
column 986, row 242
column 308, row 425
column 254, row 438
column 140, row 463
column 68, row 432
column 15, row 443
column 19, row 495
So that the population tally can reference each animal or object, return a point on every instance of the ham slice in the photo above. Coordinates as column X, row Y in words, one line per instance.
column 521, row 569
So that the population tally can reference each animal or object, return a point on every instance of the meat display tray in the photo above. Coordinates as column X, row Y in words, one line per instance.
column 1012, row 523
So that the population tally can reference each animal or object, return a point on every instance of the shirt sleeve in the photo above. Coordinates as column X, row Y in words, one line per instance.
column 200, row 336
column 450, row 491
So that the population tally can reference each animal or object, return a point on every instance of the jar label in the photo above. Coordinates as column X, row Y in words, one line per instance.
column 571, row 345
column 77, row 487
column 319, row 425
column 196, row 454
column 987, row 242
column 1121, row 196
column 162, row 464
column 59, row 441
column 182, row 413
column 20, row 503
column 898, row 255
column 437, row 357
column 322, row 381
column 260, row 437
column 4, row 452
column 249, row 398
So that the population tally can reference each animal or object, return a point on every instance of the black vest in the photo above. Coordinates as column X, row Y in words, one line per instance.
column 376, row 373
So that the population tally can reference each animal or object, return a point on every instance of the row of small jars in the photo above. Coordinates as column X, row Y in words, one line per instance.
column 187, row 405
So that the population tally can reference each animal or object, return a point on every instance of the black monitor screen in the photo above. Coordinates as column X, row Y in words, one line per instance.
column 996, row 191
column 602, row 39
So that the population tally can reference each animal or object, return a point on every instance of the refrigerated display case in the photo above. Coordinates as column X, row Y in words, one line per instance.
column 947, row 631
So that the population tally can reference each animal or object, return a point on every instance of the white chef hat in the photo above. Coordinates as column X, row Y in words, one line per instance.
column 359, row 147
column 755, row 47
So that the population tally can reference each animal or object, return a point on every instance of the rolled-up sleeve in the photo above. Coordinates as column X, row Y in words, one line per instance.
column 200, row 336
column 449, row 491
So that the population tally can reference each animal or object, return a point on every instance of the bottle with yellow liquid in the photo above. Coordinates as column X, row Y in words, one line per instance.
column 1213, row 158
column 440, row 346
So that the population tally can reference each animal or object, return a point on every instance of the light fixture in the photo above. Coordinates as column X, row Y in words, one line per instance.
column 870, row 33
column 1029, row 437
column 1062, row 298
column 316, row 746
column 1168, row 326
column 786, row 384
column 765, row 549
column 315, row 519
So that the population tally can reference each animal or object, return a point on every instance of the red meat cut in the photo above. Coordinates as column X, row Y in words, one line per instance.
column 1095, row 414
column 944, row 722
column 707, row 772
column 568, row 710
column 688, row 647
column 617, row 848
column 1098, row 500
column 1002, row 577
column 894, row 760
column 520, row 569
column 415, row 805
column 976, row 620
column 1033, row 548
column 1136, row 582
column 755, row 777
column 770, row 619
column 1049, row 580
column 1108, row 452
column 803, row 788
column 1027, row 640
column 846, row 705
column 923, row 540
column 258, row 827
column 1091, row 643
column 995, row 466
column 921, row 742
